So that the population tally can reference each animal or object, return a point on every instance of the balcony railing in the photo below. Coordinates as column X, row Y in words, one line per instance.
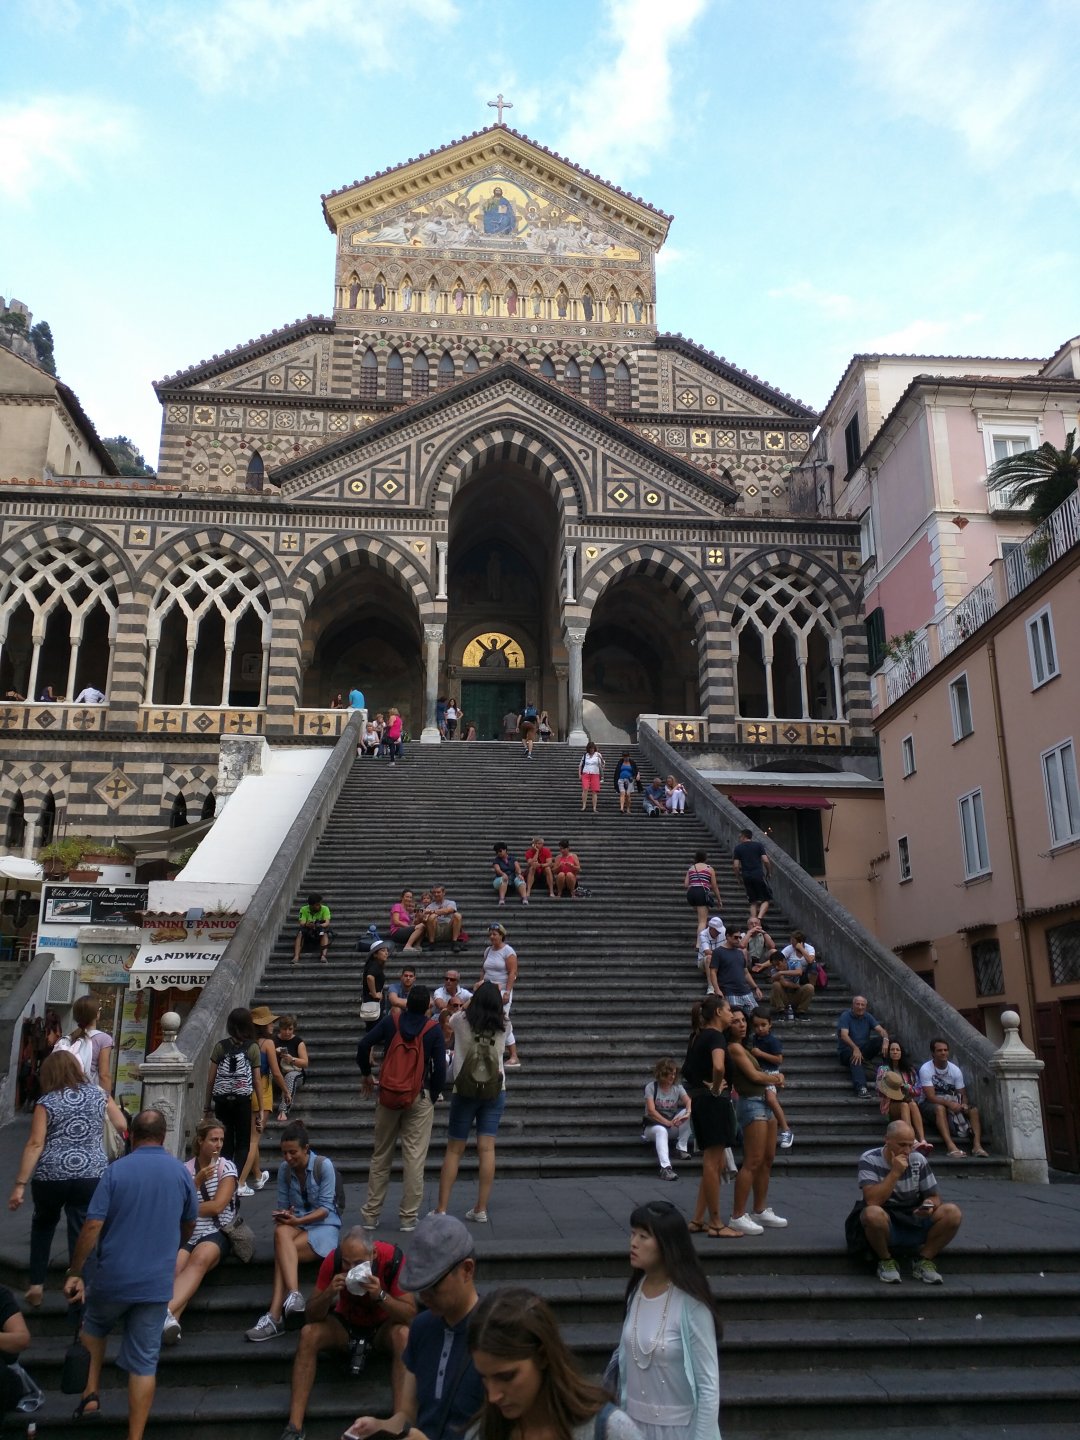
column 1056, row 536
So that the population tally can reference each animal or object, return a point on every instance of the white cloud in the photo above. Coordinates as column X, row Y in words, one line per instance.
column 236, row 39
column 55, row 135
column 670, row 257
column 623, row 114
column 924, row 337
column 805, row 292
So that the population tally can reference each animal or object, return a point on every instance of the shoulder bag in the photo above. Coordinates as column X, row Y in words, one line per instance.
column 237, row 1231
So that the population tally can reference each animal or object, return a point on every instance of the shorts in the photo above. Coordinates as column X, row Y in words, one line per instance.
column 313, row 941
column 713, row 1119
column 749, row 1108
column 747, row 1002
column 142, row 1322
column 223, row 1243
column 698, row 896
column 591, row 784
column 908, row 1232
column 757, row 890
column 527, row 729
column 626, row 787
column 262, row 1096
column 517, row 882
column 465, row 1111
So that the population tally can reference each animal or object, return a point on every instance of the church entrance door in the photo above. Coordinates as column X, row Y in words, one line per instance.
column 485, row 702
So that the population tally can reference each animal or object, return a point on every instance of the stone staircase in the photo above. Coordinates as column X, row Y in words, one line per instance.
column 812, row 1343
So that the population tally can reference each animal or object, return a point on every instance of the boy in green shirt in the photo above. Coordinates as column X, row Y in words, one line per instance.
column 314, row 929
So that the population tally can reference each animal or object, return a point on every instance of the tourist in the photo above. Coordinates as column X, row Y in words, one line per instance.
column 544, row 726
column 407, row 929
column 392, row 735
column 452, row 716
column 527, row 727
column 90, row 695
column 374, row 999
column 590, row 768
column 768, row 1053
column 625, row 779
column 90, row 1046
column 14, row 1340
column 567, row 868
column 440, row 716
column 262, row 1097
column 945, row 1102
column 758, row 1126
column 336, row 702
column 451, row 994
column 675, row 796
column 901, row 1209
column 441, row 1269
column 143, row 1209
column 293, row 1061
column 506, row 871
column 478, row 1096
column 234, row 1063
column 712, row 1114
column 215, row 1182
column 510, row 725
column 63, row 1159
column 702, row 890
column 760, row 947
column 859, row 1038
column 406, row 1102
column 669, row 1371
column 501, row 968
column 729, row 974
column 307, row 1226
column 791, row 992
column 751, row 863
column 709, row 939
column 532, row 1385
column 667, row 1114
column 369, row 741
column 398, row 991
column 538, row 861
column 49, row 696
column 356, row 699
column 654, row 800
column 314, row 931
column 358, row 1300
column 442, row 920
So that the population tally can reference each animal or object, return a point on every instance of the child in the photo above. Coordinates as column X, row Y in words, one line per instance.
column 293, row 1061
column 769, row 1054
column 667, row 1108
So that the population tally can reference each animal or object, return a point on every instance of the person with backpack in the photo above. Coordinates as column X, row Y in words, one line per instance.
column 90, row 1046
column 411, row 1079
column 307, row 1225
column 234, row 1063
column 479, row 1094
column 527, row 725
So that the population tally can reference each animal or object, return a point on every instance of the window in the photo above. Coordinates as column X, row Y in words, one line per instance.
column 1063, row 947
column 369, row 375
column 907, row 755
column 903, row 855
column 446, row 371
column 1006, row 445
column 622, row 386
column 421, row 375
column 572, row 377
column 15, row 833
column 598, row 385
column 395, row 376
column 960, row 707
column 875, row 637
column 1062, row 792
column 852, row 442
column 1041, row 648
column 867, row 549
column 973, row 834
column 1001, row 439
column 986, row 963
column 547, row 368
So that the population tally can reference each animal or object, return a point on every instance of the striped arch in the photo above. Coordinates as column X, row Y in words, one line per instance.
column 34, row 540
column 35, row 779
column 328, row 561
column 197, row 542
column 194, row 782
column 516, row 442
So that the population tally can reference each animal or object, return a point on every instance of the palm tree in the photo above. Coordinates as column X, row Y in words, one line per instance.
column 1038, row 480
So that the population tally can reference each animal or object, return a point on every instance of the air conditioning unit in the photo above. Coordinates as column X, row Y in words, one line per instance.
column 61, row 988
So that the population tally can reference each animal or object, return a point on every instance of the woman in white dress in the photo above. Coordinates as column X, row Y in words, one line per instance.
column 501, row 968
column 669, row 1372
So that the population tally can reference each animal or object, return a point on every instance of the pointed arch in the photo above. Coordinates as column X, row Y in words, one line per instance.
column 446, row 370
column 547, row 369
column 395, row 376
column 256, row 474
column 471, row 365
column 572, row 377
column 421, row 375
column 326, row 562
column 598, row 385
column 510, row 443
column 369, row 375
column 15, row 826
column 623, row 387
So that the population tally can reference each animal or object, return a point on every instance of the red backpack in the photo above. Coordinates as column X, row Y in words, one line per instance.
column 401, row 1077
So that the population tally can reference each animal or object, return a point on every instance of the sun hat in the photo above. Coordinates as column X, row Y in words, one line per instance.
column 440, row 1243
column 716, row 923
column 378, row 945
column 262, row 1015
column 892, row 1086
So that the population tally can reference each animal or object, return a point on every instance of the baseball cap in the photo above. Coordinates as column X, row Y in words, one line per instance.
column 716, row 923
column 440, row 1243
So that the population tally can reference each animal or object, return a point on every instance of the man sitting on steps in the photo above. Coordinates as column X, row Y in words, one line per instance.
column 790, row 988
column 945, row 1102
column 859, row 1038
column 397, row 992
column 442, row 920
column 901, row 1208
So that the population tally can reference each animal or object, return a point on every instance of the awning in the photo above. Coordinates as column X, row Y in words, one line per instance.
column 781, row 800
column 25, row 874
column 176, row 837
column 174, row 967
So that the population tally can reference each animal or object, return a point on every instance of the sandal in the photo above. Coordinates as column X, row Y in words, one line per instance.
column 724, row 1232
column 81, row 1413
column 34, row 1295
column 696, row 1228
column 983, row 1154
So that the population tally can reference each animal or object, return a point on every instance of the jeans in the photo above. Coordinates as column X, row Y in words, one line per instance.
column 52, row 1198
column 871, row 1049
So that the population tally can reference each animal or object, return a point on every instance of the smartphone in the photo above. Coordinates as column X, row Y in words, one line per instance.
column 926, row 1208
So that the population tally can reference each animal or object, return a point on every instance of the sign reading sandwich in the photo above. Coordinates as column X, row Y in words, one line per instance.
column 175, row 967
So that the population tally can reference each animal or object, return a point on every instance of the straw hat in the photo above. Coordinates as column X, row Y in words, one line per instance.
column 262, row 1015
column 892, row 1086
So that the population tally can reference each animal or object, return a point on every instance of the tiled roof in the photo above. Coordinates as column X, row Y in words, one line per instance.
column 263, row 345
column 488, row 130
column 709, row 358
column 864, row 357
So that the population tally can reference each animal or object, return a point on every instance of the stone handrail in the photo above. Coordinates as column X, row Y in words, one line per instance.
column 897, row 996
column 241, row 966
column 12, row 1013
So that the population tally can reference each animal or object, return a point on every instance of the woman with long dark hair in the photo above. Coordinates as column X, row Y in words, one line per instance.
column 532, row 1386
column 479, row 1042
column 900, row 1092
column 669, row 1374
column 235, row 1063
column 758, row 1125
column 711, row 1112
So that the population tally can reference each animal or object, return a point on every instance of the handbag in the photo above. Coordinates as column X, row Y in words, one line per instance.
column 76, row 1367
column 370, row 1009
column 241, row 1239
column 115, row 1141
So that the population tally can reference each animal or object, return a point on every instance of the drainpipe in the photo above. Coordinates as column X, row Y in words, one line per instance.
column 1010, row 829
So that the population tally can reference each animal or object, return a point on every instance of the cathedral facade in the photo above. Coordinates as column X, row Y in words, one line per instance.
column 486, row 474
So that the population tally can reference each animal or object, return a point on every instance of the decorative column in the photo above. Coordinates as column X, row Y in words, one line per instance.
column 575, row 639
column 1018, row 1069
column 165, row 1074
column 569, row 553
column 441, row 547
column 433, row 638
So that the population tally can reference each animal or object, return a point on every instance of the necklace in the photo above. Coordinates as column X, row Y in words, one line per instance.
column 642, row 1355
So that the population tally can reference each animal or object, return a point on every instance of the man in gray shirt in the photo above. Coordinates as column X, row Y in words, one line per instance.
column 902, row 1209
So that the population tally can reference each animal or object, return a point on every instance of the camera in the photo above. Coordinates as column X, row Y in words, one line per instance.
column 358, row 1356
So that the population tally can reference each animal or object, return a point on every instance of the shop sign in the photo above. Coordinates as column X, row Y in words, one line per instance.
column 107, row 965
column 91, row 904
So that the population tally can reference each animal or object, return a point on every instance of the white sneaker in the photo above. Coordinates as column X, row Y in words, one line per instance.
column 768, row 1219
column 746, row 1226
column 246, row 1191
column 264, row 1176
column 478, row 1217
column 170, row 1331
column 785, row 1139
column 295, row 1303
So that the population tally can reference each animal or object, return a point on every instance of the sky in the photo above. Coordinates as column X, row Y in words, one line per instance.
column 845, row 175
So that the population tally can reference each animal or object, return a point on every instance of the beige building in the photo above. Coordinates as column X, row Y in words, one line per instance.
column 44, row 432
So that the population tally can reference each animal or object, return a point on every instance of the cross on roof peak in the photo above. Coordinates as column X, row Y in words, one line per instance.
column 499, row 104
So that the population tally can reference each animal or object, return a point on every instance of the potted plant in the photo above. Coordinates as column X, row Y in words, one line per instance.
column 66, row 857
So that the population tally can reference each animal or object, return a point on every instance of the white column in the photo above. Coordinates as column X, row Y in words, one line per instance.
column 151, row 672
column 226, row 675
column 575, row 640
column 570, row 554
column 441, row 547
column 265, row 680
column 433, row 638
column 189, row 669
column 1018, row 1069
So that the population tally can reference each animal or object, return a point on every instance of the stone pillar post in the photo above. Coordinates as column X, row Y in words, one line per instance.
column 1018, row 1069
column 165, row 1074
column 433, row 637
column 570, row 555
column 239, row 755
column 575, row 640
column 441, row 547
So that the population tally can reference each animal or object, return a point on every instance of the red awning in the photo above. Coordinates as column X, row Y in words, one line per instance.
column 781, row 800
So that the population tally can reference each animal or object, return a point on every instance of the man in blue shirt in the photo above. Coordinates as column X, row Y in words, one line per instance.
column 859, row 1038
column 356, row 699
column 143, row 1210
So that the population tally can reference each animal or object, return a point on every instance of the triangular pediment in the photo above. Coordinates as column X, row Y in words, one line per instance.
column 293, row 361
column 702, row 383
column 397, row 462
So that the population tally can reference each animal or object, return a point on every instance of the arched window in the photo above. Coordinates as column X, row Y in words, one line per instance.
column 523, row 361
column 598, row 386
column 472, row 365
column 572, row 377
column 78, row 467
column 67, row 459
column 395, row 376
column 47, row 820
column 57, row 623
column 178, row 813
column 209, row 635
column 15, row 830
column 369, row 375
column 623, row 396
column 547, row 368
column 446, row 370
column 788, row 651
column 253, row 481
column 421, row 375
column 209, row 806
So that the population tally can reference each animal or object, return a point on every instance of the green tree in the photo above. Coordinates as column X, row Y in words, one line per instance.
column 13, row 320
column 129, row 459
column 1038, row 480
column 42, row 337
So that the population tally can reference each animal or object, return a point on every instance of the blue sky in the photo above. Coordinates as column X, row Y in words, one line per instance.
column 844, row 176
